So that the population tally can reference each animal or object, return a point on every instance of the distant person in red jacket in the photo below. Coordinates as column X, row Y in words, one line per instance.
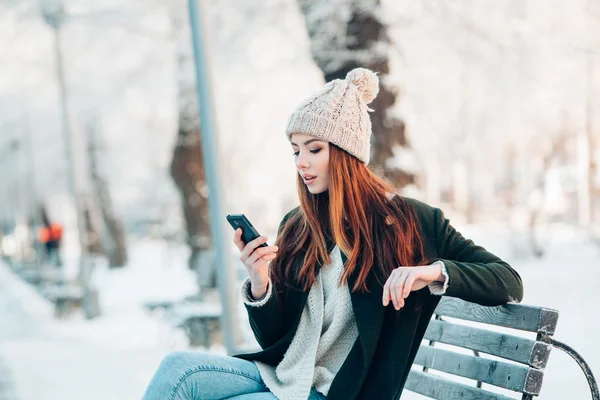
column 51, row 236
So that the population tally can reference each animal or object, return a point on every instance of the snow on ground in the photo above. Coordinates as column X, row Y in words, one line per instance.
column 111, row 357
column 114, row 356
column 57, row 360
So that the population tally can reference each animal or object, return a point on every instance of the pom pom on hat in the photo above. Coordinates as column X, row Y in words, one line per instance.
column 366, row 81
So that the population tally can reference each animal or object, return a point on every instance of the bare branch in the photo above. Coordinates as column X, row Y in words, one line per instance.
column 585, row 51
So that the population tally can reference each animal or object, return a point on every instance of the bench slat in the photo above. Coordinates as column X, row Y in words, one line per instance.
column 516, row 316
column 514, row 348
column 498, row 373
column 439, row 388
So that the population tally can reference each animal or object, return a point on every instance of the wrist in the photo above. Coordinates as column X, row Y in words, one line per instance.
column 443, row 274
column 258, row 291
column 437, row 270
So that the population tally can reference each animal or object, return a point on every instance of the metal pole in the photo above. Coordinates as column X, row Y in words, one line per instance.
column 21, row 203
column 14, row 217
column 11, row 197
column 33, row 215
column 208, row 135
column 589, row 132
column 90, row 306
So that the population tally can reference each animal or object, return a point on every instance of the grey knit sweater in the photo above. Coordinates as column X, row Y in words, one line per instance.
column 324, row 337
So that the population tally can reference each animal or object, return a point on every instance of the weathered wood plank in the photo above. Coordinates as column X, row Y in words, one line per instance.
column 498, row 373
column 514, row 348
column 516, row 316
column 439, row 388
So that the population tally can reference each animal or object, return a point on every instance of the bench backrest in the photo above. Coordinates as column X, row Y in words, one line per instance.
column 526, row 358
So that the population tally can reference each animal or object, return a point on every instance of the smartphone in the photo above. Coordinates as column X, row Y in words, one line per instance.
column 248, row 231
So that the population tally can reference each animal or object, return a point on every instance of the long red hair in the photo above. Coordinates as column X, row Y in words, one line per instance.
column 357, row 215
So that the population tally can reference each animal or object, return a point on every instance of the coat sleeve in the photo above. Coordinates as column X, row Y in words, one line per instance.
column 474, row 274
column 266, row 316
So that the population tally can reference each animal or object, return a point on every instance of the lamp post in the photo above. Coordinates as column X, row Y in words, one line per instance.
column 11, row 209
column 13, row 146
column 225, row 272
column 32, row 198
column 54, row 15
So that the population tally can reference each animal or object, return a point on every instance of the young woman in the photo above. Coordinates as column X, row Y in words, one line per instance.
column 341, row 301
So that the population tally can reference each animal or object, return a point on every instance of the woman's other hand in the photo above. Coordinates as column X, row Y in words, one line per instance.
column 404, row 280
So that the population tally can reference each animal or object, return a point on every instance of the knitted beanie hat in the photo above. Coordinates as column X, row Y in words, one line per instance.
column 339, row 113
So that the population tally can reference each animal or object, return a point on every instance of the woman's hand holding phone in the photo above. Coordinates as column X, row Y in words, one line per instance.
column 256, row 261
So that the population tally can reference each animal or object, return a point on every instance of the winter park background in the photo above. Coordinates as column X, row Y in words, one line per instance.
column 489, row 110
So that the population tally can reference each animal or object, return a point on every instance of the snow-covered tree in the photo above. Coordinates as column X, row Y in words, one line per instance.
column 346, row 34
column 111, row 230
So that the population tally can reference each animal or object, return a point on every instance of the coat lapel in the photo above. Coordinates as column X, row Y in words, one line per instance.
column 368, row 313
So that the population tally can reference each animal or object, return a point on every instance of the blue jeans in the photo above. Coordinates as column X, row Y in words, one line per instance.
column 189, row 375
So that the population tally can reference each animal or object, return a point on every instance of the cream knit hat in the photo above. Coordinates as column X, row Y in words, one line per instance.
column 339, row 113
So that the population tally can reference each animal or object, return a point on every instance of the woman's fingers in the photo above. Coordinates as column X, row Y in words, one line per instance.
column 237, row 239
column 261, row 253
column 396, row 282
column 387, row 296
column 250, row 246
column 398, row 286
column 393, row 288
column 264, row 259
column 387, row 289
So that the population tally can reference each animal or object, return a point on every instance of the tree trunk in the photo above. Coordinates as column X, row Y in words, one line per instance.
column 344, row 37
column 187, row 167
column 586, row 155
column 113, row 239
column 188, row 172
column 461, row 199
column 93, row 245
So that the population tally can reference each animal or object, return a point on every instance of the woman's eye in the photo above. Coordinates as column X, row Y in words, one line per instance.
column 312, row 151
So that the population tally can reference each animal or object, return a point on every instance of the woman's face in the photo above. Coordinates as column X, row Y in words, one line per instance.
column 312, row 161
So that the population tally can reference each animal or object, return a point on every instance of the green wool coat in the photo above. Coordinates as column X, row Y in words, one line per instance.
column 388, row 340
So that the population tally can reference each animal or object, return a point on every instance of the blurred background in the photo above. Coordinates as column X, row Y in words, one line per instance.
column 108, row 185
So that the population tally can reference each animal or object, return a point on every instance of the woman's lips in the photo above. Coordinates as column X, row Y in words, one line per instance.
column 310, row 180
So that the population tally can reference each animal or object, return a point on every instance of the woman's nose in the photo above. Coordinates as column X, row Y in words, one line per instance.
column 301, row 161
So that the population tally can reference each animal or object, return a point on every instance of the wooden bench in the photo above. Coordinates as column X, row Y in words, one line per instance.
column 523, row 371
column 67, row 299
column 44, row 276
column 200, row 321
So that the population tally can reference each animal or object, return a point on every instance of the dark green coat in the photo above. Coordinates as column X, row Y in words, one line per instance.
column 388, row 340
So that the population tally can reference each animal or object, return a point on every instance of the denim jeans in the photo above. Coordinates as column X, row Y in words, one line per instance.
column 190, row 375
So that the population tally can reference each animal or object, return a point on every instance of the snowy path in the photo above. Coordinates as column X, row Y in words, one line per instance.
column 47, row 361
column 7, row 389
